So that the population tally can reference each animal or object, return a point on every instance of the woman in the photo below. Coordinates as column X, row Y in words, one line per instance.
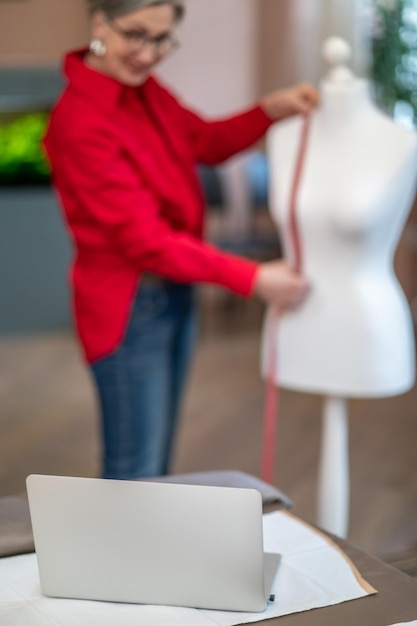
column 123, row 152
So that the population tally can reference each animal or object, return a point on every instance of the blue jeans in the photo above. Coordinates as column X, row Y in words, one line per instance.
column 140, row 385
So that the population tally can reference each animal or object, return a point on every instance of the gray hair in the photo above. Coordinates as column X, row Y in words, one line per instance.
column 114, row 8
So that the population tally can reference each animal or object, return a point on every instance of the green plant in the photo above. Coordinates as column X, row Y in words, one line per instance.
column 22, row 161
column 394, row 48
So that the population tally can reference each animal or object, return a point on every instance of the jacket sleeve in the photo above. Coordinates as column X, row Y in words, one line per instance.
column 111, row 197
column 214, row 141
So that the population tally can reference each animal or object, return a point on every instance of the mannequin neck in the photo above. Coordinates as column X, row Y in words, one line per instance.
column 342, row 102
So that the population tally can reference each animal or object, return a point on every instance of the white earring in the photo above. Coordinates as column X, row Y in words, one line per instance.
column 98, row 48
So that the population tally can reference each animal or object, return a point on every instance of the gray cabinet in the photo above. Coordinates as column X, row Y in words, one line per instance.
column 34, row 258
column 34, row 246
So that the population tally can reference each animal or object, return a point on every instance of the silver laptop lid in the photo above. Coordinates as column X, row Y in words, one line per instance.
column 152, row 543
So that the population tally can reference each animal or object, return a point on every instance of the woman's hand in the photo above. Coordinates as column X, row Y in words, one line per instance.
column 277, row 284
column 296, row 100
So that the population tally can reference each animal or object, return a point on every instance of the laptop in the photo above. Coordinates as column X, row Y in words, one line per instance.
column 151, row 543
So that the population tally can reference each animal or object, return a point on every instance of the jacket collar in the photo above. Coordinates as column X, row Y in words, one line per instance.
column 108, row 94
column 105, row 91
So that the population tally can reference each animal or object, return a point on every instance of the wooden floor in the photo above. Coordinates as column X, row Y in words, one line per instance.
column 48, row 424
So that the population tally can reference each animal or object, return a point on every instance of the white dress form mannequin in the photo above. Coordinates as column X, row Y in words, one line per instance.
column 353, row 335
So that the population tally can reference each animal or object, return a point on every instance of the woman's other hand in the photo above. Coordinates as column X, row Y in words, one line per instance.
column 296, row 100
column 277, row 284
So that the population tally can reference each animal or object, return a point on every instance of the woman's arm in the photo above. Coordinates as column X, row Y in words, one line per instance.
column 109, row 202
column 215, row 141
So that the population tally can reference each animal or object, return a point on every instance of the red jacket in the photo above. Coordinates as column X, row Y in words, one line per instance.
column 123, row 163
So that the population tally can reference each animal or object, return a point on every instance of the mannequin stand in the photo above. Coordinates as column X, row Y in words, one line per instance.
column 333, row 491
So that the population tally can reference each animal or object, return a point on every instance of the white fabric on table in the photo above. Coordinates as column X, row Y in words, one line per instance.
column 313, row 573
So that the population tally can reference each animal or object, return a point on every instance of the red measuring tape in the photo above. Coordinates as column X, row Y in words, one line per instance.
column 271, row 410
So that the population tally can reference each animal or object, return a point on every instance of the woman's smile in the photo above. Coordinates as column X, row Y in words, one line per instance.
column 138, row 72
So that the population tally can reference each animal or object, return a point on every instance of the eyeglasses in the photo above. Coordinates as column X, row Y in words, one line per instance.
column 139, row 40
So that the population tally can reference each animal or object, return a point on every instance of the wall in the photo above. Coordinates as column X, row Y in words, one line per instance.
column 232, row 50
column 34, row 32
column 292, row 33
column 277, row 65
column 215, row 68
column 216, row 72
